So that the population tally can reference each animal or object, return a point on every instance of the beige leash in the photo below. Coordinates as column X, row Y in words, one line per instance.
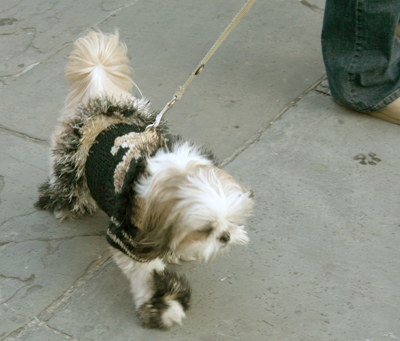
column 181, row 89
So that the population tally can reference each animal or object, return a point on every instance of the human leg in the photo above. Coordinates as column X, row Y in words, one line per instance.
column 362, row 53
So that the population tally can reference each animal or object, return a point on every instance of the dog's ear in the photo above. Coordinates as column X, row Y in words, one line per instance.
column 157, row 230
column 153, row 244
column 158, row 224
column 160, row 216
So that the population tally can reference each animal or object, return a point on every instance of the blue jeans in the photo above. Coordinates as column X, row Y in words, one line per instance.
column 362, row 52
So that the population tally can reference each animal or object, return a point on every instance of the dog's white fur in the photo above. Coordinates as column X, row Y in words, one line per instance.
column 198, row 206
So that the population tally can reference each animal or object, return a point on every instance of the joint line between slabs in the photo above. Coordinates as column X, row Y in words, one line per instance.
column 261, row 131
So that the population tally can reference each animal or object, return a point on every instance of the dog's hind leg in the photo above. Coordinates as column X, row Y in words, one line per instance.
column 62, row 201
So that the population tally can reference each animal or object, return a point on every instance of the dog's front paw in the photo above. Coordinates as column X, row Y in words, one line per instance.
column 161, row 313
column 169, row 302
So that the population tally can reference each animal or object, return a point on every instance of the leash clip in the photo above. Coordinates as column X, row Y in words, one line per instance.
column 161, row 114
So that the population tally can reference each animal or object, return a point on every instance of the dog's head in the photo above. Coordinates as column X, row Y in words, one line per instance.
column 192, row 208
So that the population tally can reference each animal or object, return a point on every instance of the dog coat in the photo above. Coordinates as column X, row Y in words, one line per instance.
column 114, row 164
column 98, row 157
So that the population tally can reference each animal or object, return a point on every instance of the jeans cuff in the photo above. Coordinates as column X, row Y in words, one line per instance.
column 384, row 103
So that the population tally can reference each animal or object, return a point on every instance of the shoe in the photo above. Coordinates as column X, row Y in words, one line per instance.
column 391, row 113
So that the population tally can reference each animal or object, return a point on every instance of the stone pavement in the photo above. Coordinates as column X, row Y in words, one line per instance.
column 323, row 262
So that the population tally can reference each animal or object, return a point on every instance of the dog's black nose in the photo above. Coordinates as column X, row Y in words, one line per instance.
column 225, row 237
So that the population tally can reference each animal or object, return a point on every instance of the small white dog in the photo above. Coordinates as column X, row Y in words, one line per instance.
column 166, row 199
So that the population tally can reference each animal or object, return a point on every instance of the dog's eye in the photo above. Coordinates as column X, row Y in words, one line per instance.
column 207, row 230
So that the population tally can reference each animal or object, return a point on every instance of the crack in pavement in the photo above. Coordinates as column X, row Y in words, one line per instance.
column 27, row 163
column 29, row 138
column 44, row 240
column 16, row 216
column 58, row 332
column 34, row 325
column 28, row 281
column 7, row 21
column 313, row 7
column 30, row 278
column 2, row 182
column 20, row 73
column 15, row 5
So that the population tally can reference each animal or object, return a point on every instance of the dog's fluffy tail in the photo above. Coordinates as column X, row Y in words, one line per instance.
column 98, row 66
